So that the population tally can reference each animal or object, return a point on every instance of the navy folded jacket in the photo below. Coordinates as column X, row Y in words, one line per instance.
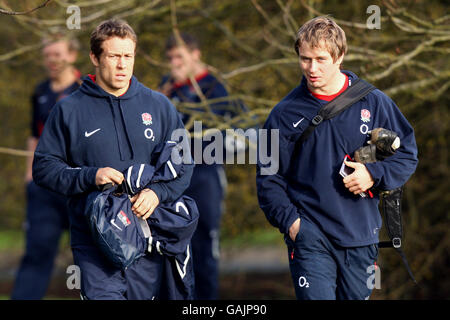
column 122, row 236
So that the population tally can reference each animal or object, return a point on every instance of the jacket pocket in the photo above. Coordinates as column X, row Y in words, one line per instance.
column 300, row 230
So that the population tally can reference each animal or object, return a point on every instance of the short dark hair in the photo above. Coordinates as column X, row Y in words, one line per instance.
column 108, row 29
column 189, row 40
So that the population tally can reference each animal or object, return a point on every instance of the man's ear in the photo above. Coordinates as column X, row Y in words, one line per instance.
column 73, row 55
column 94, row 59
column 197, row 54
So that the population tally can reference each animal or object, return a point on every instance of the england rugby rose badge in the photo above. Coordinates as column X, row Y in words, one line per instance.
column 365, row 115
column 147, row 118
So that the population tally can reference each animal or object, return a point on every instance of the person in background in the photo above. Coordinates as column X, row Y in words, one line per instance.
column 208, row 183
column 46, row 211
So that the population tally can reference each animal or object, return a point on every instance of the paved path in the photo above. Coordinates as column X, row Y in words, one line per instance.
column 254, row 259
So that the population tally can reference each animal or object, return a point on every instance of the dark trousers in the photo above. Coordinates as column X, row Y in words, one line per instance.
column 100, row 280
column 207, row 189
column 322, row 270
column 46, row 219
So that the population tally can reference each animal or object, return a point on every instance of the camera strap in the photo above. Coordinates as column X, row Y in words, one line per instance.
column 391, row 202
column 358, row 90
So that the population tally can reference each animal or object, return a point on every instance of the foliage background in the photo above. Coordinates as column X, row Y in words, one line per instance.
column 248, row 44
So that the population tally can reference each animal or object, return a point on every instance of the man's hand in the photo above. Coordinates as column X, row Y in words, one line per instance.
column 360, row 180
column 107, row 175
column 144, row 203
column 294, row 229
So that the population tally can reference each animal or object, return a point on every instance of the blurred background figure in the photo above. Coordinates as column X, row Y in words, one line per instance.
column 46, row 211
column 208, row 183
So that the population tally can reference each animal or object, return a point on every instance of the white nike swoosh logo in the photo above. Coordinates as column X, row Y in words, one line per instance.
column 115, row 225
column 296, row 124
column 86, row 134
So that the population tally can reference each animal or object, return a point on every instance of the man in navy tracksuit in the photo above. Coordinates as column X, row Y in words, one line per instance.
column 330, row 230
column 91, row 137
column 207, row 179
column 46, row 216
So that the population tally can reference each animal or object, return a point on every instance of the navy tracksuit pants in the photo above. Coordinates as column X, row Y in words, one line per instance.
column 100, row 280
column 207, row 188
column 46, row 219
column 322, row 270
column 151, row 277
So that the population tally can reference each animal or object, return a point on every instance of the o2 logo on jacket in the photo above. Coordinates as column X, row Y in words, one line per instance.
column 148, row 133
column 146, row 118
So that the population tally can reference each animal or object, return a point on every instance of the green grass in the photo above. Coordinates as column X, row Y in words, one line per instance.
column 12, row 240
column 259, row 237
column 15, row 240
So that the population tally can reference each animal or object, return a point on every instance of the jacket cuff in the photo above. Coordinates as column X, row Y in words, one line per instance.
column 159, row 190
column 376, row 171
column 89, row 174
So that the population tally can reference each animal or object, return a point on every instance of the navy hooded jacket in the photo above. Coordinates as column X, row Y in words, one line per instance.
column 308, row 183
column 92, row 129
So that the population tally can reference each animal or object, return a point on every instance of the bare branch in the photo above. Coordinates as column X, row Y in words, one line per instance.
column 272, row 41
column 418, row 84
column 442, row 19
column 338, row 21
column 15, row 152
column 289, row 22
column 406, row 57
column 19, row 51
column 139, row 9
column 92, row 17
column 15, row 13
column 83, row 4
column 266, row 17
column 151, row 60
column 403, row 25
column 259, row 66
column 229, row 34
